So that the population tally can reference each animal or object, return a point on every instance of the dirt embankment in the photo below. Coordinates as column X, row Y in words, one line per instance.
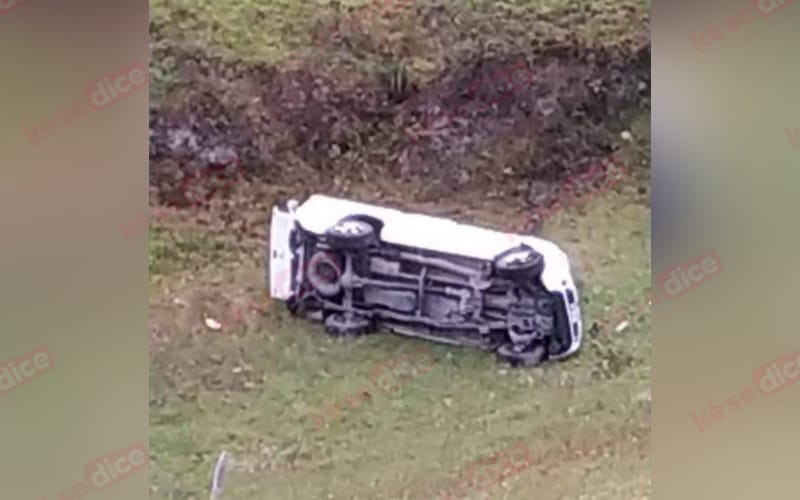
column 471, row 126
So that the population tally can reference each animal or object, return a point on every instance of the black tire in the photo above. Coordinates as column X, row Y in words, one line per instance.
column 338, row 326
column 527, row 358
column 351, row 234
column 519, row 262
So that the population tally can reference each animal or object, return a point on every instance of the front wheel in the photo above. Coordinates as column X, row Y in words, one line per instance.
column 520, row 262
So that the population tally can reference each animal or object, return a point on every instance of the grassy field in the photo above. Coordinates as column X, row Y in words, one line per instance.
column 251, row 387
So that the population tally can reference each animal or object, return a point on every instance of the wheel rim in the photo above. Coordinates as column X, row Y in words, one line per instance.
column 518, row 258
column 351, row 228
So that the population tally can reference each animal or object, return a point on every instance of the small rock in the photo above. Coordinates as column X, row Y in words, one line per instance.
column 621, row 327
column 213, row 324
column 626, row 136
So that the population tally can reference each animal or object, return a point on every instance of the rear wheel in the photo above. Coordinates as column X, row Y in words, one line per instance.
column 350, row 234
column 529, row 357
column 341, row 326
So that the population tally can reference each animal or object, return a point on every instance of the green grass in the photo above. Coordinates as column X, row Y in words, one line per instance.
column 174, row 250
column 279, row 30
column 263, row 30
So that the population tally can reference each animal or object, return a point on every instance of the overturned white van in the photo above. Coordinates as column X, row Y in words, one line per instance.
column 356, row 266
